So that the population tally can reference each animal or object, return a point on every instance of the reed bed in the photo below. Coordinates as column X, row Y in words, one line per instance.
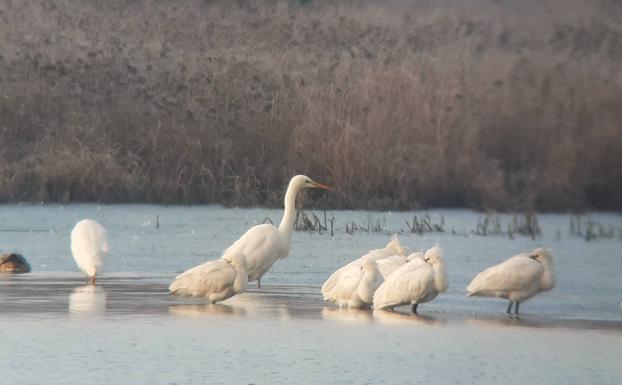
column 401, row 105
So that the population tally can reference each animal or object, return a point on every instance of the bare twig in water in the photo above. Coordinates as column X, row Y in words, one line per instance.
column 373, row 226
column 426, row 225
column 523, row 224
column 588, row 229
column 306, row 222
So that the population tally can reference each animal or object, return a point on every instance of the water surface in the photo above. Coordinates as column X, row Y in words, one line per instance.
column 56, row 329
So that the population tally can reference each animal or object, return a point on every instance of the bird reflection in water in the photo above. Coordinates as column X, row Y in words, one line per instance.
column 396, row 317
column 346, row 314
column 205, row 310
column 87, row 300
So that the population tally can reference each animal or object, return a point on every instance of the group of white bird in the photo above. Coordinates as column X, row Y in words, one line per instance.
column 383, row 278
column 387, row 278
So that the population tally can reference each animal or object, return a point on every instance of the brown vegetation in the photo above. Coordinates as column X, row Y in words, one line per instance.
column 488, row 104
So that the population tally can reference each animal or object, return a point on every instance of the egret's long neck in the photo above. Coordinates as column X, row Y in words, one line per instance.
column 287, row 223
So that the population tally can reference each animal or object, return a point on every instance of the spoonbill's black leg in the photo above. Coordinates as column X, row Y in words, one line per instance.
column 259, row 283
column 516, row 308
column 414, row 308
column 509, row 310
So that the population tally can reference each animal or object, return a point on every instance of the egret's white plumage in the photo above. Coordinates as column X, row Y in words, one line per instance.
column 89, row 246
column 264, row 244
column 393, row 248
column 418, row 281
column 517, row 278
column 216, row 280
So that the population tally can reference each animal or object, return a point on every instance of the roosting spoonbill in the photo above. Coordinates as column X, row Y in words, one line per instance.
column 339, row 287
column 357, row 285
column 89, row 246
column 388, row 265
column 418, row 281
column 216, row 280
column 517, row 278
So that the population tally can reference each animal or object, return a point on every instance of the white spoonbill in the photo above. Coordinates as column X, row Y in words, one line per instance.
column 357, row 285
column 89, row 246
column 393, row 248
column 418, row 281
column 388, row 265
column 216, row 280
column 265, row 244
column 517, row 278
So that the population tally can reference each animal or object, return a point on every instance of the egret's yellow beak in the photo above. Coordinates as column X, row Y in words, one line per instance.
column 319, row 185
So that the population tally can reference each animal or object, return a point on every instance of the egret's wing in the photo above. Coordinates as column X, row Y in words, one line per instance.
column 262, row 247
column 515, row 273
column 408, row 283
column 210, row 277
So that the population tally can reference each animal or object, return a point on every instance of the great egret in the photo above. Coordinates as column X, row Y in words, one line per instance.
column 216, row 280
column 89, row 246
column 517, row 278
column 393, row 248
column 418, row 281
column 264, row 244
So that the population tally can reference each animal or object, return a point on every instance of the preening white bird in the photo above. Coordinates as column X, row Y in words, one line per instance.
column 264, row 244
column 418, row 281
column 517, row 278
column 388, row 265
column 216, row 280
column 89, row 246
column 393, row 248
column 357, row 285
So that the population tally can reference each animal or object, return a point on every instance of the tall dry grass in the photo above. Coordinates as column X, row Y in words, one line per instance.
column 503, row 105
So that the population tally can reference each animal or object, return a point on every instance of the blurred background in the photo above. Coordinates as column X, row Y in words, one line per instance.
column 483, row 104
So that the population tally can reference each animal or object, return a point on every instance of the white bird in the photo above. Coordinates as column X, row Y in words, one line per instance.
column 216, row 280
column 357, row 285
column 89, row 246
column 264, row 244
column 517, row 278
column 393, row 248
column 388, row 265
column 418, row 281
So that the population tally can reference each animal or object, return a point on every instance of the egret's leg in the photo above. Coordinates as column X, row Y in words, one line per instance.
column 414, row 308
column 259, row 283
column 516, row 308
column 92, row 280
column 509, row 310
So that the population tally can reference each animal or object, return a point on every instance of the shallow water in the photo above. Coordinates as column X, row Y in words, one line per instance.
column 56, row 329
